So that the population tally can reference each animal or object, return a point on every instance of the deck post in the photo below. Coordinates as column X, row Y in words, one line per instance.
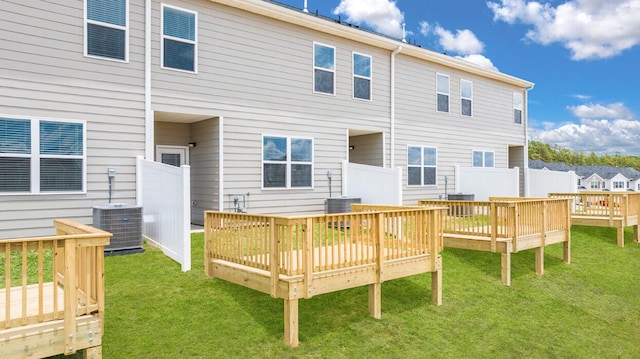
column 70, row 297
column 375, row 289
column 92, row 353
column 291, row 322
column 493, row 215
column 566, row 246
column 436, row 281
column 275, row 253
column 620, row 235
column 505, row 263
column 635, row 233
column 540, row 260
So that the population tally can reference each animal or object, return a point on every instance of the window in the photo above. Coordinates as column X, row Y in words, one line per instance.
column 287, row 162
column 466, row 97
column 361, row 76
column 442, row 90
column 517, row 107
column 618, row 184
column 421, row 166
column 483, row 159
column 179, row 34
column 595, row 185
column 38, row 156
column 324, row 68
column 106, row 28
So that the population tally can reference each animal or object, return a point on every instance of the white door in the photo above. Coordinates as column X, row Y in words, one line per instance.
column 173, row 155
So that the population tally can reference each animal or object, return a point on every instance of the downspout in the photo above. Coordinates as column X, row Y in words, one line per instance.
column 148, row 113
column 393, row 106
column 526, row 139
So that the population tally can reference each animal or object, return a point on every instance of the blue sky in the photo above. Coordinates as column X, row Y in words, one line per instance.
column 583, row 56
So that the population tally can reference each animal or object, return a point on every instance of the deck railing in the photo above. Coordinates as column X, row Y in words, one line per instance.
column 304, row 245
column 602, row 204
column 503, row 217
column 53, row 278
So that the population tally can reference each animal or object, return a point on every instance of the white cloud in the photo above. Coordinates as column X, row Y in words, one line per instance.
column 589, row 29
column 612, row 111
column 479, row 60
column 602, row 129
column 463, row 42
column 425, row 28
column 382, row 15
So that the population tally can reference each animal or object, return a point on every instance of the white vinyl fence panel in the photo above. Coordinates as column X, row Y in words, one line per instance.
column 485, row 182
column 374, row 185
column 543, row 182
column 164, row 194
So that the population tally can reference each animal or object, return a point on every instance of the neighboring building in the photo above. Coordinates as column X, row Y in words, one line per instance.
column 596, row 178
column 258, row 98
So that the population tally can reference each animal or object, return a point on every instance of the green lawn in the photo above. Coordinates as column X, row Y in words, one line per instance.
column 588, row 309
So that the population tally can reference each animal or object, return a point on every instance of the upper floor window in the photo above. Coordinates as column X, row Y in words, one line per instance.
column 442, row 90
column 287, row 162
column 361, row 76
column 517, row 107
column 595, row 185
column 324, row 68
column 179, row 38
column 106, row 28
column 466, row 97
column 483, row 158
column 618, row 184
column 40, row 156
column 421, row 166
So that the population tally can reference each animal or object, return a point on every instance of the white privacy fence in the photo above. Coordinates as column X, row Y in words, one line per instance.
column 487, row 182
column 164, row 193
column 374, row 185
column 543, row 182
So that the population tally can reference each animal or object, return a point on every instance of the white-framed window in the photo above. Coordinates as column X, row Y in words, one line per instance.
column 442, row 93
column 106, row 29
column 287, row 162
column 618, row 184
column 361, row 76
column 42, row 156
column 179, row 38
column 483, row 158
column 595, row 185
column 518, row 106
column 466, row 97
column 324, row 68
column 422, row 163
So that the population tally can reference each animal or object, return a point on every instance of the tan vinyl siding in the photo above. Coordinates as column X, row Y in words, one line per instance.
column 367, row 149
column 46, row 75
column 205, row 163
column 491, row 127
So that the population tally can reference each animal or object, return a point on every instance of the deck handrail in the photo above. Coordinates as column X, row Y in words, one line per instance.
column 73, row 258
column 306, row 245
column 504, row 218
column 602, row 204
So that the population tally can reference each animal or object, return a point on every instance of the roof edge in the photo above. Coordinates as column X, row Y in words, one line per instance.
column 291, row 16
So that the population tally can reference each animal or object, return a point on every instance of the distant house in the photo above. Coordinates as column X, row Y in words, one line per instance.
column 596, row 178
column 257, row 98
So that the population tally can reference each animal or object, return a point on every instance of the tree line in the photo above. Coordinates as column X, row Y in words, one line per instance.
column 555, row 153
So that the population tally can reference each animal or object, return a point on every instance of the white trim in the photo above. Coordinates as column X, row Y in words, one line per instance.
column 181, row 150
column 354, row 76
column 422, row 166
column 519, row 108
column 179, row 39
column 220, row 164
column 443, row 93
column 462, row 81
column 113, row 26
column 35, row 156
column 333, row 70
column 288, row 162
column 149, row 120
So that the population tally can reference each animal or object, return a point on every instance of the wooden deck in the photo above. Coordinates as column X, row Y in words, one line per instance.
column 507, row 225
column 39, row 317
column 605, row 209
column 300, row 257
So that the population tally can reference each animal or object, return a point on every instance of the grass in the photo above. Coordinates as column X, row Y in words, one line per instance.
column 588, row 309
